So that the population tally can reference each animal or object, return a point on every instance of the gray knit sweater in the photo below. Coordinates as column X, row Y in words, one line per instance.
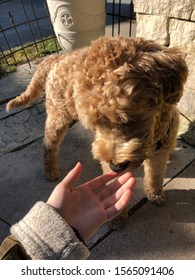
column 44, row 234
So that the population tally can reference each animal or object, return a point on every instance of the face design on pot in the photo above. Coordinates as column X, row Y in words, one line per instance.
column 67, row 19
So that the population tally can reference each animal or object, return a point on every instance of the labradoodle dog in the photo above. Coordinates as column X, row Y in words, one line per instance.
column 125, row 90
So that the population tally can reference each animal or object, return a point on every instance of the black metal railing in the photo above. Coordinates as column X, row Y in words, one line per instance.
column 28, row 25
column 118, row 12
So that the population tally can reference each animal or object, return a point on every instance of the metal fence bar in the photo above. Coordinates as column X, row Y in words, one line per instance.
column 5, row 38
column 131, row 12
column 113, row 16
column 119, row 18
column 28, row 22
column 18, row 37
column 37, row 23
column 53, row 33
column 4, row 55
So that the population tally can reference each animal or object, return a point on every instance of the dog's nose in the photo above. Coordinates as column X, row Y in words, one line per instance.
column 119, row 167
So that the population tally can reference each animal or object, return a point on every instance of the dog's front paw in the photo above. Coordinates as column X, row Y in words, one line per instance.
column 158, row 199
column 53, row 175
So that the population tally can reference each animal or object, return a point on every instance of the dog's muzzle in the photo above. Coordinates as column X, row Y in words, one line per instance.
column 119, row 167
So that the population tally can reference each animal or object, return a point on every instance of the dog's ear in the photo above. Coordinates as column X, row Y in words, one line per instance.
column 172, row 71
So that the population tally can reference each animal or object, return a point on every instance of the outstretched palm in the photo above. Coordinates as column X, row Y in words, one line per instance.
column 90, row 205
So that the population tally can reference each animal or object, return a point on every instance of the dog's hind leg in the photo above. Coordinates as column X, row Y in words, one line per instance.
column 57, row 124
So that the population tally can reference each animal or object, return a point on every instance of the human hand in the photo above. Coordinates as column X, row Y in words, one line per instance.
column 88, row 206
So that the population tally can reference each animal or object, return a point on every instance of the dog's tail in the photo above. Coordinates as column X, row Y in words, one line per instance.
column 36, row 85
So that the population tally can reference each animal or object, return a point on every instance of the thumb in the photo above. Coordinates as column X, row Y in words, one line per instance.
column 69, row 181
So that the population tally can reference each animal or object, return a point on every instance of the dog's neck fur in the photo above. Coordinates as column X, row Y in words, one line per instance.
column 161, row 142
column 165, row 119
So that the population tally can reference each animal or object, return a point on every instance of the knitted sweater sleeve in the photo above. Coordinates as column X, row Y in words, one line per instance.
column 44, row 234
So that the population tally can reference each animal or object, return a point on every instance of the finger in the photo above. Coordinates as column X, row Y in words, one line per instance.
column 69, row 181
column 100, row 181
column 117, row 208
column 112, row 199
column 114, row 186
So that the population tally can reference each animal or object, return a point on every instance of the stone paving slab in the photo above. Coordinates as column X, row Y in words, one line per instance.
column 15, row 83
column 22, row 128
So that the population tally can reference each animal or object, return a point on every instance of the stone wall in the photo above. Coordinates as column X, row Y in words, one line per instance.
column 172, row 23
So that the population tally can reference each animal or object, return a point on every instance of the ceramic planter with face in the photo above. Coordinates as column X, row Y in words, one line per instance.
column 76, row 23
